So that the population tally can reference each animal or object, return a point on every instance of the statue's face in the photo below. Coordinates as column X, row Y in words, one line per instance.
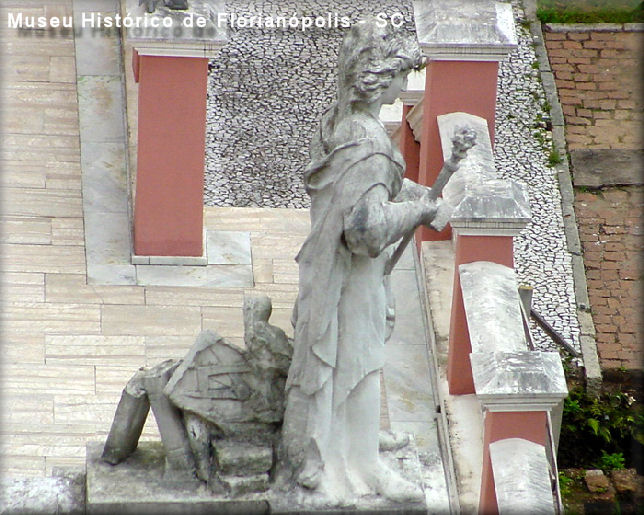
column 398, row 84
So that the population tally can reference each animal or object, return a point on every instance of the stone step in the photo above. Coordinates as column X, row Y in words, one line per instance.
column 242, row 459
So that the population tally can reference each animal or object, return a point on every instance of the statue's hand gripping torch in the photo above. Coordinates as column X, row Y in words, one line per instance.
column 464, row 138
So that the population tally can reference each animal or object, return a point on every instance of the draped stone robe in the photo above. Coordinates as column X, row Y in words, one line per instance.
column 342, row 302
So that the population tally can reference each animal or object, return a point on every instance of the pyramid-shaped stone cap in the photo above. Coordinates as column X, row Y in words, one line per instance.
column 481, row 30
column 518, row 381
column 185, row 37
column 497, row 204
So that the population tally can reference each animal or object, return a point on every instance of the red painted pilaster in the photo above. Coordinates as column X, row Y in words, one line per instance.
column 529, row 425
column 409, row 147
column 452, row 86
column 168, row 208
column 497, row 249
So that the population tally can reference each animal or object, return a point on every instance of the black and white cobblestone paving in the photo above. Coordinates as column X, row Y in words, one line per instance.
column 522, row 150
column 267, row 91
column 268, row 88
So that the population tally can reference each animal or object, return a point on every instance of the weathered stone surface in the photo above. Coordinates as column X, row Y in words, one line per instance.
column 137, row 486
column 242, row 459
column 596, row 481
column 404, row 460
column 236, row 391
column 495, row 203
column 607, row 167
column 64, row 492
column 466, row 28
column 477, row 165
column 519, row 377
column 492, row 307
column 180, row 463
column 129, row 419
column 521, row 477
column 236, row 486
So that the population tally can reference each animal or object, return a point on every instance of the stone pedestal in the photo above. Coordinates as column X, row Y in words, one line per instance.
column 171, row 66
column 137, row 486
column 463, row 40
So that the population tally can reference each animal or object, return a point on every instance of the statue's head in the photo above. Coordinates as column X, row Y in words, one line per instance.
column 257, row 308
column 372, row 54
column 267, row 346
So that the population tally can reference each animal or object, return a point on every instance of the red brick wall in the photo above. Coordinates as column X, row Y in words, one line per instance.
column 611, row 233
column 598, row 77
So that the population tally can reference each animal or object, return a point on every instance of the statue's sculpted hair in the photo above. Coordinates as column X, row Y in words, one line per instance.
column 371, row 55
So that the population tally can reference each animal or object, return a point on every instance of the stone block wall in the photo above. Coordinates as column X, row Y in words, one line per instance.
column 597, row 69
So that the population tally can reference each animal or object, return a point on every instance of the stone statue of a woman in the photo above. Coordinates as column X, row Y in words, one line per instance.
column 360, row 207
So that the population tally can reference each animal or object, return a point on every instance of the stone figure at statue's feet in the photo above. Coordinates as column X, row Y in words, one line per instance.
column 219, row 409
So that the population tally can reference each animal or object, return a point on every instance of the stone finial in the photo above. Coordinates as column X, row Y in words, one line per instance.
column 518, row 381
column 492, row 307
column 478, row 30
column 482, row 202
column 521, row 477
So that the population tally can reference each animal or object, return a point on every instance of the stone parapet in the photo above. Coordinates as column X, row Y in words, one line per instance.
column 491, row 301
column 520, row 390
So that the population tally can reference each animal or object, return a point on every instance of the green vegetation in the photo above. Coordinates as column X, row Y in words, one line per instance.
column 565, row 484
column 588, row 189
column 590, row 11
column 554, row 158
column 611, row 461
column 605, row 432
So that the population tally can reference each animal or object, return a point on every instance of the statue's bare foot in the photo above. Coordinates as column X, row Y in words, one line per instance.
column 310, row 477
column 390, row 441
column 394, row 487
